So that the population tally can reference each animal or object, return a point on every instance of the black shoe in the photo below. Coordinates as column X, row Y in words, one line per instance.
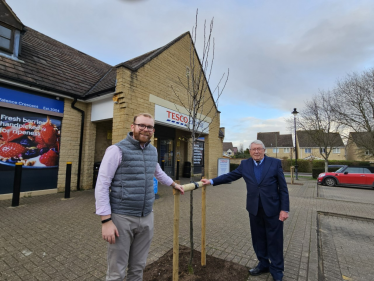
column 257, row 271
column 277, row 279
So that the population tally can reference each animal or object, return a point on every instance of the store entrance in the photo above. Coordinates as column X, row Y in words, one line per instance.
column 164, row 142
column 166, row 154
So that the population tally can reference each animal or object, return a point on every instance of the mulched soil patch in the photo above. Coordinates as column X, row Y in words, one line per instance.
column 215, row 269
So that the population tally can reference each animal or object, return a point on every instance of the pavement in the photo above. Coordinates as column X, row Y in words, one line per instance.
column 328, row 236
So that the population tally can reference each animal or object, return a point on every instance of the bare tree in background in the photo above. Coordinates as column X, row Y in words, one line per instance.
column 241, row 148
column 197, row 99
column 318, row 122
column 354, row 108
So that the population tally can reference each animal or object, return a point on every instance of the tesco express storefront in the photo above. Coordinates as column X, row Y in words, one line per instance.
column 172, row 137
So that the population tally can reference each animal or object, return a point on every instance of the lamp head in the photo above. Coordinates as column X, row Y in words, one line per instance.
column 294, row 112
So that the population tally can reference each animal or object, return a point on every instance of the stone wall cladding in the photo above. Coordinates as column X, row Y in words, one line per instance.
column 157, row 77
column 69, row 148
column 70, row 139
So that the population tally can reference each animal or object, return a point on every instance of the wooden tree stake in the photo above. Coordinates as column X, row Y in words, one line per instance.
column 176, row 236
column 203, row 224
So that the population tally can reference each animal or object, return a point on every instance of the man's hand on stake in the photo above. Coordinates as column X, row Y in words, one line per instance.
column 205, row 181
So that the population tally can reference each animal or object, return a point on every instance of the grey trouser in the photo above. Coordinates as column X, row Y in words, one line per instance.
column 131, row 247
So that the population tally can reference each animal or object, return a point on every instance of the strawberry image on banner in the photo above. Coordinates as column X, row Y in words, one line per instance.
column 29, row 138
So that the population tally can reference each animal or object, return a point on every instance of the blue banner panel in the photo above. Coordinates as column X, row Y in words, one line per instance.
column 17, row 97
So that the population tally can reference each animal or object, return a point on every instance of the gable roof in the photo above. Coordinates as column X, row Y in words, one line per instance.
column 136, row 63
column 8, row 16
column 275, row 139
column 54, row 66
column 360, row 138
column 304, row 139
column 227, row 145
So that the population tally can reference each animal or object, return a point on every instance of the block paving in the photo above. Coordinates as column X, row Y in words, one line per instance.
column 327, row 236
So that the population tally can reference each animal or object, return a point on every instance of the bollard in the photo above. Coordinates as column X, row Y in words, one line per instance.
column 67, row 180
column 177, row 175
column 17, row 185
column 163, row 165
column 292, row 174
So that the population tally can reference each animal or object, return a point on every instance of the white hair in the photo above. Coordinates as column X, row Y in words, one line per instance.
column 257, row 142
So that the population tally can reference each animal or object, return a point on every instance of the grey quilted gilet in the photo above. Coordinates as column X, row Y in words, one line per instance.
column 132, row 185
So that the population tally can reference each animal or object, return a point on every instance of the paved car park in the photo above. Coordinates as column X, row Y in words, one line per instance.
column 47, row 238
column 353, row 194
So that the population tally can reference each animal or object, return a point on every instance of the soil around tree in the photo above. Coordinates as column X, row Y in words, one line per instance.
column 215, row 269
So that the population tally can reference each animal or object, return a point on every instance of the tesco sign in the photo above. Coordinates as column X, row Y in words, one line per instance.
column 177, row 117
column 173, row 118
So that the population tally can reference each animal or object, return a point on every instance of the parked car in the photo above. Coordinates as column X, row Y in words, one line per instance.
column 348, row 176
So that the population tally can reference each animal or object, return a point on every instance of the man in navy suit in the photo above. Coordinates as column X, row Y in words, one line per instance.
column 267, row 204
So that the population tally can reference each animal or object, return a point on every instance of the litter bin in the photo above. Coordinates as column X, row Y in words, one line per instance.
column 187, row 170
column 95, row 173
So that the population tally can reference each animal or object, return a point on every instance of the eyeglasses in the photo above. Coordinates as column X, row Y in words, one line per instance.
column 142, row 127
column 256, row 149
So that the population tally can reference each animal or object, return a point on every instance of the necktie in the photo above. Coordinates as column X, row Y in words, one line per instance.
column 258, row 162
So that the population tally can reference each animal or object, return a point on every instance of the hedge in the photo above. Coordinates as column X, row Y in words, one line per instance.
column 233, row 167
column 306, row 166
column 321, row 163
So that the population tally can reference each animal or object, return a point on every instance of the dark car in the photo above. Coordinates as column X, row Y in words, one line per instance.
column 348, row 176
column 335, row 167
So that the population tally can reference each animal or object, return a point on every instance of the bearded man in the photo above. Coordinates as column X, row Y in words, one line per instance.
column 124, row 199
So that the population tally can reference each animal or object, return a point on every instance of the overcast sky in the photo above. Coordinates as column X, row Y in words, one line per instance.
column 279, row 53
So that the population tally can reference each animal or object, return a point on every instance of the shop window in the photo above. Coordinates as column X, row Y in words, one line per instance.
column 6, row 38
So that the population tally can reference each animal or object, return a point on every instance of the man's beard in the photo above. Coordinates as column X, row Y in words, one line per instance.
column 142, row 137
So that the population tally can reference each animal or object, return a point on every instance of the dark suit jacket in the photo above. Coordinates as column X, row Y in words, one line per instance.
column 272, row 187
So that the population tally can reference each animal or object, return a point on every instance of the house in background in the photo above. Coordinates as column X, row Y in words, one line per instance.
column 277, row 145
column 357, row 146
column 228, row 149
column 307, row 148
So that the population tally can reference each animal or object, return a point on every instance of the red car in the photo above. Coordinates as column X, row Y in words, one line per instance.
column 348, row 176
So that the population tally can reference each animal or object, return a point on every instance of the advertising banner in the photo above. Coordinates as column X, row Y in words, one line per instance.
column 33, row 140
column 29, row 138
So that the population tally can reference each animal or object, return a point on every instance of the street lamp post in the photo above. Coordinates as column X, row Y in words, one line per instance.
column 294, row 112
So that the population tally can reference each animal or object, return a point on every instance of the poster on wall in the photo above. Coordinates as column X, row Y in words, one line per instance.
column 198, row 153
column 29, row 138
column 223, row 166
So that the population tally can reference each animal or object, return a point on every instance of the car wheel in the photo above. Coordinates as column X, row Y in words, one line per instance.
column 330, row 182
